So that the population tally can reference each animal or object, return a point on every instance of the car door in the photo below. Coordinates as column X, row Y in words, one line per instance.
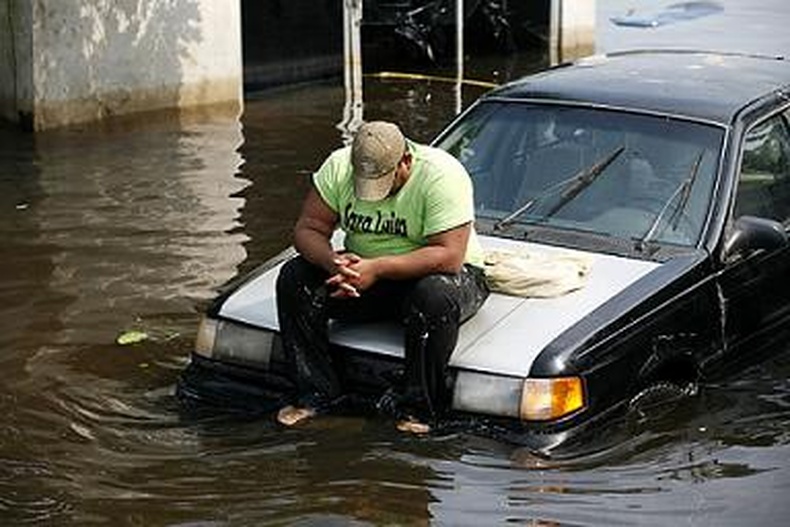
column 755, row 286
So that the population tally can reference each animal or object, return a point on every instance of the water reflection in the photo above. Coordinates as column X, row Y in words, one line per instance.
column 104, row 230
column 137, row 215
column 25, row 260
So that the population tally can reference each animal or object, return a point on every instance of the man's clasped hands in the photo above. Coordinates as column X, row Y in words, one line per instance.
column 353, row 274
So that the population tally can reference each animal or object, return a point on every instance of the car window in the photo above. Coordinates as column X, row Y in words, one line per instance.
column 651, row 176
column 764, row 179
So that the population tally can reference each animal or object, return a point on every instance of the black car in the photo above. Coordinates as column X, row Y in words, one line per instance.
column 658, row 182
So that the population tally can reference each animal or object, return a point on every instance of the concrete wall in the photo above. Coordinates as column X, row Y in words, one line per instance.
column 572, row 30
column 97, row 58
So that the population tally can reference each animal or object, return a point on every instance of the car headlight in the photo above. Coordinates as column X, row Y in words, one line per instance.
column 206, row 337
column 551, row 398
column 227, row 341
column 529, row 399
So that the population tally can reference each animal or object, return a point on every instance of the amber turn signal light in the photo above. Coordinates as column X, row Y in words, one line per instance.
column 551, row 398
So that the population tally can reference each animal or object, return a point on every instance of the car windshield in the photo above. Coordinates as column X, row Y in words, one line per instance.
column 640, row 177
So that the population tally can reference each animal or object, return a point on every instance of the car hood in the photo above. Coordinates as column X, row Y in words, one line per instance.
column 504, row 337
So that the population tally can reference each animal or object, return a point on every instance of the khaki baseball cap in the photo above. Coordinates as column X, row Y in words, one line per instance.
column 377, row 149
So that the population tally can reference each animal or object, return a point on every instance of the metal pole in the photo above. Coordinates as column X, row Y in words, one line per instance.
column 459, row 52
column 555, row 32
column 352, row 68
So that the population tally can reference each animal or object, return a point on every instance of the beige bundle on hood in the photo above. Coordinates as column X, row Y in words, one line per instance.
column 536, row 274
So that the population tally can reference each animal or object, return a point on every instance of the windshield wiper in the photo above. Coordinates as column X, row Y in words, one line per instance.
column 684, row 191
column 572, row 187
column 548, row 191
column 584, row 179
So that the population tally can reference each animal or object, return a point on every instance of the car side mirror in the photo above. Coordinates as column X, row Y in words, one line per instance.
column 751, row 233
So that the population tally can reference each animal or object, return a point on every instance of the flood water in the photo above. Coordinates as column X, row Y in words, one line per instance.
column 130, row 226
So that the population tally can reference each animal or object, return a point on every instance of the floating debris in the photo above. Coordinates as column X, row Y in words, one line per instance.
column 669, row 15
column 131, row 337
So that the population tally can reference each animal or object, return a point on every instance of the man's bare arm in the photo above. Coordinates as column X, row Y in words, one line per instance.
column 313, row 231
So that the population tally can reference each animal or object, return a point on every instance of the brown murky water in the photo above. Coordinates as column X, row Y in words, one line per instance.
column 111, row 229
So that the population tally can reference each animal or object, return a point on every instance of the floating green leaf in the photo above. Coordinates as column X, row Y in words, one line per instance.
column 131, row 337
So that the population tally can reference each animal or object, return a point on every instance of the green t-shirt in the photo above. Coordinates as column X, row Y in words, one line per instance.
column 437, row 197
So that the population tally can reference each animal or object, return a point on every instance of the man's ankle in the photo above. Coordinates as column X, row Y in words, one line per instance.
column 292, row 415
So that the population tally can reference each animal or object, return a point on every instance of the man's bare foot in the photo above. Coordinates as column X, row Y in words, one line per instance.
column 291, row 415
column 413, row 426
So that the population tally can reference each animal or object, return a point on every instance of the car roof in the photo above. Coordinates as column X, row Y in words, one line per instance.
column 699, row 85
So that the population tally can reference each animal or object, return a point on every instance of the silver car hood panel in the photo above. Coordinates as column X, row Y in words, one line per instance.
column 504, row 337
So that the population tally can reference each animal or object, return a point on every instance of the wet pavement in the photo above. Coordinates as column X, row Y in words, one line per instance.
column 109, row 229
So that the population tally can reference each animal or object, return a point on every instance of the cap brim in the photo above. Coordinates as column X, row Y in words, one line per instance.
column 374, row 189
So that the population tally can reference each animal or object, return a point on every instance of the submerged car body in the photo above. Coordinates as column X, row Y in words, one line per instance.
column 668, row 171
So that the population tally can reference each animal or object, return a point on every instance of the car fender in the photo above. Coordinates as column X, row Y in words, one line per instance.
column 659, row 325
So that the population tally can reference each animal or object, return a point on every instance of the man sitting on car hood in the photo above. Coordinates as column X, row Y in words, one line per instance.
column 411, row 255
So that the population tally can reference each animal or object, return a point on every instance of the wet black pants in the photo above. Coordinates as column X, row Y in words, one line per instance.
column 431, row 309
